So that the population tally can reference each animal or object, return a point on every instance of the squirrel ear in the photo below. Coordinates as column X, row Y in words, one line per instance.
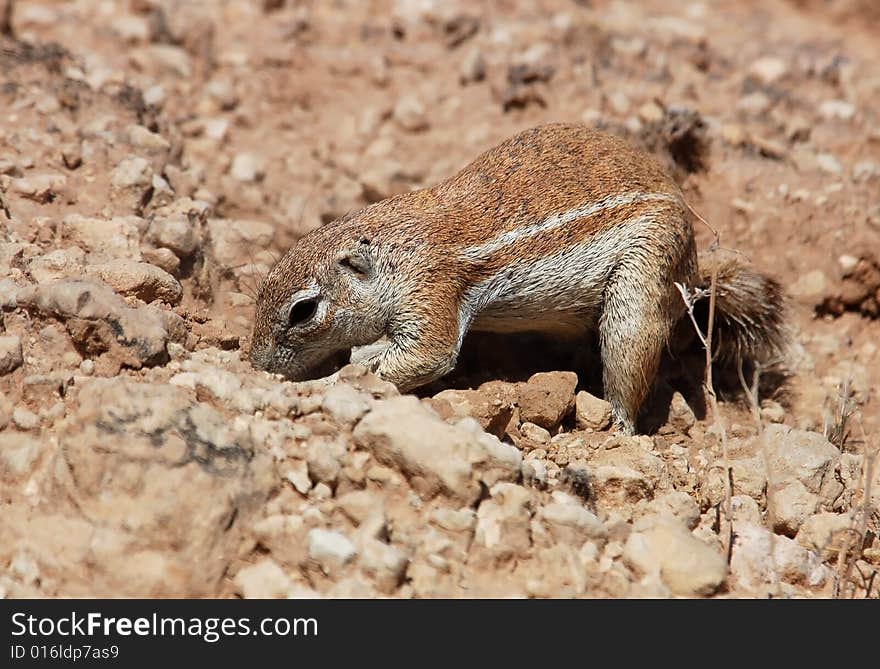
column 357, row 260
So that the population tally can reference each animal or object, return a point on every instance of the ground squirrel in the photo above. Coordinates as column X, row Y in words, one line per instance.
column 561, row 229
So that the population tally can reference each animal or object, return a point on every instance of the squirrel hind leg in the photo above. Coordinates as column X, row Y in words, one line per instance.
column 633, row 331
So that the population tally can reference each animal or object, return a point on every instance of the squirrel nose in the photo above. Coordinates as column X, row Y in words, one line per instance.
column 259, row 357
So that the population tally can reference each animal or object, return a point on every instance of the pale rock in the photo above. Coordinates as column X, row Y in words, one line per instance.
column 749, row 476
column 634, row 453
column 174, row 496
column 847, row 263
column 330, row 549
column 100, row 320
column 104, row 239
column 141, row 138
column 172, row 59
column 591, row 413
column 162, row 258
column 19, row 453
column 155, row 96
column 133, row 172
column 613, row 484
column 493, row 459
column 865, row 170
column 359, row 505
column 745, row 509
column 823, row 533
column 14, row 253
column 8, row 293
column 454, row 520
column 216, row 129
column 651, row 112
column 810, row 287
column 25, row 419
column 57, row 264
column 352, row 587
column 193, row 210
column 410, row 114
column 473, row 67
column 535, row 433
column 263, row 580
column 131, row 29
column 345, row 404
column 139, row 279
column 618, row 102
column 297, row 473
column 24, row 568
column 48, row 105
column 213, row 382
column 664, row 546
column 223, row 93
column 9, row 166
column 760, row 560
column 681, row 416
column 557, row 571
column 35, row 16
column 837, row 110
column 284, row 536
column 790, row 506
column 503, row 525
column 828, row 163
column 41, row 188
column 234, row 243
column 733, row 134
column 248, row 167
column 176, row 233
column 768, row 69
column 676, row 504
column 755, row 103
column 452, row 459
column 568, row 521
column 384, row 563
column 534, row 472
column 10, row 354
column 162, row 193
column 323, row 461
column 799, row 455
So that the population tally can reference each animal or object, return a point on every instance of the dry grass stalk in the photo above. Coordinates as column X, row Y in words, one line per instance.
column 751, row 391
column 854, row 541
column 690, row 300
column 837, row 430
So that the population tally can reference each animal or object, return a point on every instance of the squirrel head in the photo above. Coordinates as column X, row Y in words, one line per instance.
column 324, row 296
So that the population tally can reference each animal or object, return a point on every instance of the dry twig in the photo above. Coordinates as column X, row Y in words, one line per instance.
column 690, row 300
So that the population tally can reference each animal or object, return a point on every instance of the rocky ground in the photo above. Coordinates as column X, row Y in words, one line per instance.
column 157, row 155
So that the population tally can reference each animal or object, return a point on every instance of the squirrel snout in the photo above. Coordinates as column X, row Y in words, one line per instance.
column 303, row 364
column 260, row 357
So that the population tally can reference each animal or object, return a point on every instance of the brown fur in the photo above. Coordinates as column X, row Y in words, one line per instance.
column 416, row 268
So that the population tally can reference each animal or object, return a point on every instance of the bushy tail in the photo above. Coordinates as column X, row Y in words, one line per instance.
column 750, row 313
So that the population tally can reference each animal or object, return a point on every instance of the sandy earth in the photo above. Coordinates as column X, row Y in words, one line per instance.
column 157, row 156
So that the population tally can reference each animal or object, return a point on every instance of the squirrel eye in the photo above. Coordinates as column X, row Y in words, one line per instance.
column 302, row 311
